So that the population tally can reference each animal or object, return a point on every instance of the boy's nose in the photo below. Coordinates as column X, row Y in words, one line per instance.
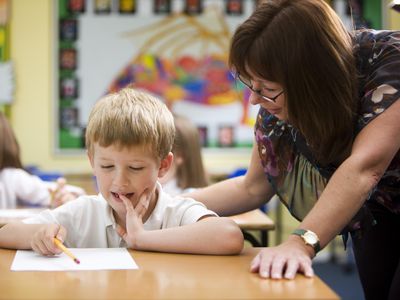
column 120, row 180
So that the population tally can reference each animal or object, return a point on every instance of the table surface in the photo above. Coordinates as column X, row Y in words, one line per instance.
column 160, row 276
column 254, row 220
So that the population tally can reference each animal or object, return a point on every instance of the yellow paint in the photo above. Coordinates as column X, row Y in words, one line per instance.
column 394, row 20
column 2, row 36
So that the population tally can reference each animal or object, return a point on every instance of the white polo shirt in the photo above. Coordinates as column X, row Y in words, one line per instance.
column 19, row 187
column 90, row 222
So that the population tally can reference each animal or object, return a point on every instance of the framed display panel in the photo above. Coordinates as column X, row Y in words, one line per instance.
column 175, row 49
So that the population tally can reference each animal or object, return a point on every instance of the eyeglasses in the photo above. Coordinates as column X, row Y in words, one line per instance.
column 247, row 82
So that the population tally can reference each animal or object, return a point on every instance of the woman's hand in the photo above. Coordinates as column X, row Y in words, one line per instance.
column 134, row 219
column 285, row 260
column 43, row 240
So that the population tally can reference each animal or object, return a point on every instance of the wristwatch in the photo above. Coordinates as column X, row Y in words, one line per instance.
column 309, row 238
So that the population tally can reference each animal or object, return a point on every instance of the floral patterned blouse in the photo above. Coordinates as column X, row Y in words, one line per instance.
column 297, row 178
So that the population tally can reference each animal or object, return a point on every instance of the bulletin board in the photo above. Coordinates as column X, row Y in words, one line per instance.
column 175, row 49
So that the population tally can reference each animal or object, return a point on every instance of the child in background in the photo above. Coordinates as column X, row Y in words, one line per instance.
column 18, row 187
column 128, row 138
column 187, row 170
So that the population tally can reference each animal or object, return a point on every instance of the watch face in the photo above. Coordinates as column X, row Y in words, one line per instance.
column 310, row 238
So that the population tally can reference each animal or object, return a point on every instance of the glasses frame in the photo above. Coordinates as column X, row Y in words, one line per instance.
column 258, row 92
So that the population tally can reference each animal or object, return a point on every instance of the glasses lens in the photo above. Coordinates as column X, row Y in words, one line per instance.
column 245, row 80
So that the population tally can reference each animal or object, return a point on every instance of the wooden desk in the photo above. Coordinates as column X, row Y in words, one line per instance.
column 254, row 220
column 160, row 276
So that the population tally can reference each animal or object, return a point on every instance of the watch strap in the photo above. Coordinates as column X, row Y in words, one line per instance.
column 301, row 232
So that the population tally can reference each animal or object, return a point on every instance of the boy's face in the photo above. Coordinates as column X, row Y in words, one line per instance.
column 127, row 171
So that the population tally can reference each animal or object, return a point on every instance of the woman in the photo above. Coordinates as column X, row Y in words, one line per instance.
column 326, row 137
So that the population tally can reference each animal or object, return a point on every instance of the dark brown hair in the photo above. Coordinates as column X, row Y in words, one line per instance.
column 304, row 46
column 9, row 152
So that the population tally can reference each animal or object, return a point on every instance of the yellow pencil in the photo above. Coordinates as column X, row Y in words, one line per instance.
column 65, row 250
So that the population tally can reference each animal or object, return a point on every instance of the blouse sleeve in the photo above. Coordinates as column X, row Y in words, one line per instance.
column 380, row 74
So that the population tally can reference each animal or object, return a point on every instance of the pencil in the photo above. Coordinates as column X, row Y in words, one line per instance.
column 65, row 250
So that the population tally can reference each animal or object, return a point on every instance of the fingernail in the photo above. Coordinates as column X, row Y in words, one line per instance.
column 264, row 274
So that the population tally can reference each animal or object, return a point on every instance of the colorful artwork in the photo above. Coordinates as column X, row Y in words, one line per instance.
column 178, row 53
column 203, row 79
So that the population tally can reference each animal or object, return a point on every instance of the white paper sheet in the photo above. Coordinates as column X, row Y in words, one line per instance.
column 90, row 259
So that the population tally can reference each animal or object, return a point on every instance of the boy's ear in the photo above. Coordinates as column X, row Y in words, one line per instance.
column 90, row 157
column 165, row 164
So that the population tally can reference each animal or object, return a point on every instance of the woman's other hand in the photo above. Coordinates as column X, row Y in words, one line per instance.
column 284, row 260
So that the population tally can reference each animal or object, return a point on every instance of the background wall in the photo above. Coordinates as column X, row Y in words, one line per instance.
column 32, row 113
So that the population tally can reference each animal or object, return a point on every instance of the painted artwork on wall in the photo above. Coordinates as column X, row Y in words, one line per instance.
column 179, row 57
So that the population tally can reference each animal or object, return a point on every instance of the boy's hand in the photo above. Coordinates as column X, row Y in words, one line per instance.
column 61, row 194
column 134, row 222
column 43, row 240
column 143, row 204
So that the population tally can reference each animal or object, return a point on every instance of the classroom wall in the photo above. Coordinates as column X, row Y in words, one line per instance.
column 394, row 19
column 33, row 112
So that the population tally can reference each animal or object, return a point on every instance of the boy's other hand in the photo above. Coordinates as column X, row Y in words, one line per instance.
column 43, row 240
column 143, row 203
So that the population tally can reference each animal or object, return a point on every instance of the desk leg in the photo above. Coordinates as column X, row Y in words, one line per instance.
column 264, row 238
column 251, row 239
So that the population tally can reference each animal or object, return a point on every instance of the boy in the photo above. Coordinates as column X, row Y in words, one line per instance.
column 129, row 139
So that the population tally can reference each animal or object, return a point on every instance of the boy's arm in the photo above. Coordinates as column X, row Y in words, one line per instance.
column 209, row 235
column 18, row 235
column 38, row 237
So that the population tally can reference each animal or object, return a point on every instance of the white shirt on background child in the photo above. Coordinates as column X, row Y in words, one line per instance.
column 19, row 187
column 90, row 223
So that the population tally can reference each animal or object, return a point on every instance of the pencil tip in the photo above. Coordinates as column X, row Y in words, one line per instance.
column 77, row 261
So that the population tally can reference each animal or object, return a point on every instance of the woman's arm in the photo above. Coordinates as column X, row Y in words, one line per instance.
column 239, row 194
column 373, row 150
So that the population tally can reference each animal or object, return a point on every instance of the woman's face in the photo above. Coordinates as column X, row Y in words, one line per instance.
column 271, row 90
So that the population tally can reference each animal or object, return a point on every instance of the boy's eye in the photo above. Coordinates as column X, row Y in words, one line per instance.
column 136, row 168
column 106, row 166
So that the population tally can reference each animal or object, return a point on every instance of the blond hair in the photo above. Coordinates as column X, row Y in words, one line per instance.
column 131, row 118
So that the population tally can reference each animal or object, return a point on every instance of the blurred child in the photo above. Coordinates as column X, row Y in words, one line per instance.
column 187, row 170
column 129, row 138
column 18, row 187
